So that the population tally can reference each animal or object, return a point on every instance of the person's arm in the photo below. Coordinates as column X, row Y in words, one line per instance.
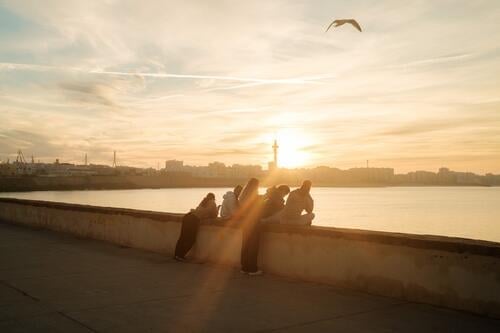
column 309, row 204
column 213, row 210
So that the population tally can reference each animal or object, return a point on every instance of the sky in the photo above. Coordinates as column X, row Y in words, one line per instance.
column 203, row 81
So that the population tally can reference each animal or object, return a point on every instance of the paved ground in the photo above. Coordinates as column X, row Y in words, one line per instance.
column 53, row 282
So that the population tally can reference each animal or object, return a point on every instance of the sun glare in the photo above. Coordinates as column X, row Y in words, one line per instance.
column 292, row 152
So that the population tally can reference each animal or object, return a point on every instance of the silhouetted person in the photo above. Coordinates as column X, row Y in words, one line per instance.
column 274, row 204
column 191, row 223
column 250, row 214
column 230, row 202
column 298, row 201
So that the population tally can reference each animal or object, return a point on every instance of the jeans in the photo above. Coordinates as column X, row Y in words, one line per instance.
column 189, row 231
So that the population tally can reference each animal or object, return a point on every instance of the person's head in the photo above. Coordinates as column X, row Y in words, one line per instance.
column 306, row 187
column 209, row 197
column 270, row 191
column 283, row 190
column 250, row 189
column 237, row 190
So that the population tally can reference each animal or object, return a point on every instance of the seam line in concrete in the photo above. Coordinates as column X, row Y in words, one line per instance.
column 335, row 317
column 22, row 292
column 159, row 299
column 76, row 321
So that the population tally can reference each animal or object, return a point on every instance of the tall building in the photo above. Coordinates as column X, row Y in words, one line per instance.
column 275, row 151
column 174, row 165
column 274, row 164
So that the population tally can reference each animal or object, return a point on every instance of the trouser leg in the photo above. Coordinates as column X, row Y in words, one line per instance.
column 250, row 249
column 189, row 231
column 253, row 249
column 276, row 218
column 244, row 248
column 306, row 219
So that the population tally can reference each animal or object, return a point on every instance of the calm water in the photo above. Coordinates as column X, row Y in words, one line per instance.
column 470, row 212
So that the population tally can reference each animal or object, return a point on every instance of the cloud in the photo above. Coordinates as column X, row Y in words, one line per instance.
column 433, row 125
column 204, row 80
column 250, row 80
column 451, row 58
column 89, row 93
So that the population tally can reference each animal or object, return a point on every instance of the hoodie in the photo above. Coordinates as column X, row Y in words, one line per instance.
column 273, row 204
column 229, row 205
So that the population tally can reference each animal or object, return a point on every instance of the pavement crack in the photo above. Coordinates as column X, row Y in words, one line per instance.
column 76, row 321
column 334, row 317
column 22, row 292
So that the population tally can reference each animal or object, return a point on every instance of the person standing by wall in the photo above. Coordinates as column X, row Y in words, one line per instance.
column 250, row 213
column 207, row 209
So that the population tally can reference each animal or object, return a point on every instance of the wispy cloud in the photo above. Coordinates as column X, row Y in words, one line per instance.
column 35, row 67
column 438, row 60
column 216, row 81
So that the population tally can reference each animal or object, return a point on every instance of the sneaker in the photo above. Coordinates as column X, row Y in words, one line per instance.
column 259, row 272
column 180, row 259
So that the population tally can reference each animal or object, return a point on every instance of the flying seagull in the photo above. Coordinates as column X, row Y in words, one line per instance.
column 338, row 23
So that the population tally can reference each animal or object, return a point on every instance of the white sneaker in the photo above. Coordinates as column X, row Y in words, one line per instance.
column 259, row 272
column 179, row 259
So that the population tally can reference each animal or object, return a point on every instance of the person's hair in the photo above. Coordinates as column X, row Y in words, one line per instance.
column 270, row 191
column 306, row 186
column 210, row 196
column 251, row 189
column 285, row 189
column 237, row 190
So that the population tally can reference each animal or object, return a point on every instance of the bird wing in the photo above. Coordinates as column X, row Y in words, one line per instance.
column 330, row 25
column 356, row 25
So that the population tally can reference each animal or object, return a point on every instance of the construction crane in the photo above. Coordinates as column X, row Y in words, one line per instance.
column 20, row 157
column 21, row 165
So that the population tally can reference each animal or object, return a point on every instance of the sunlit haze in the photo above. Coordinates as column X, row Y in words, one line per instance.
column 221, row 80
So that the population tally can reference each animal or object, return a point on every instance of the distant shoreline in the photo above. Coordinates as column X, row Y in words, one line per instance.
column 77, row 188
column 131, row 182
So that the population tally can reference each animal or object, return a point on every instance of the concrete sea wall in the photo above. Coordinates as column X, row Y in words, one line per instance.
column 451, row 272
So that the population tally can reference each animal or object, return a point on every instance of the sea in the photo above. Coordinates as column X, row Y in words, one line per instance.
column 466, row 212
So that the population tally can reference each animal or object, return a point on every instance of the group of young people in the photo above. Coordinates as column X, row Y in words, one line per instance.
column 244, row 205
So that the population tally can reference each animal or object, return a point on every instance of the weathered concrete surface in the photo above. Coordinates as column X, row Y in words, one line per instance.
column 456, row 273
column 54, row 282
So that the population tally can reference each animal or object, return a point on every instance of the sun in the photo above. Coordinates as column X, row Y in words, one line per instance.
column 292, row 151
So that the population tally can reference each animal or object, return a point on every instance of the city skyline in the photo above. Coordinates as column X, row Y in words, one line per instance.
column 416, row 90
column 180, row 165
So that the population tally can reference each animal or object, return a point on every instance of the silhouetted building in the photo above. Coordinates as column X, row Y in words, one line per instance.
column 174, row 165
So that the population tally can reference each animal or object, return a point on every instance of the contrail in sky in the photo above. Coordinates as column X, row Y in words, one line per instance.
column 33, row 67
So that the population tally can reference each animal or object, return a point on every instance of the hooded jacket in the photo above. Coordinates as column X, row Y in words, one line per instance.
column 229, row 204
column 273, row 204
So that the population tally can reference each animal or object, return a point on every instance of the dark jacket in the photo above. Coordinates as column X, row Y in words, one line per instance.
column 273, row 204
column 296, row 203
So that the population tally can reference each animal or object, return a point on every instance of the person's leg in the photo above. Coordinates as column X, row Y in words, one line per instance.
column 188, row 235
column 253, row 245
column 295, row 221
column 284, row 220
column 274, row 219
column 193, row 233
column 306, row 219
column 179, row 247
column 244, row 248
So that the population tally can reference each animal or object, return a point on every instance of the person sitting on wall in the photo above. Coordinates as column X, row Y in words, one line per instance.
column 230, row 202
column 274, row 204
column 207, row 209
column 298, row 201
